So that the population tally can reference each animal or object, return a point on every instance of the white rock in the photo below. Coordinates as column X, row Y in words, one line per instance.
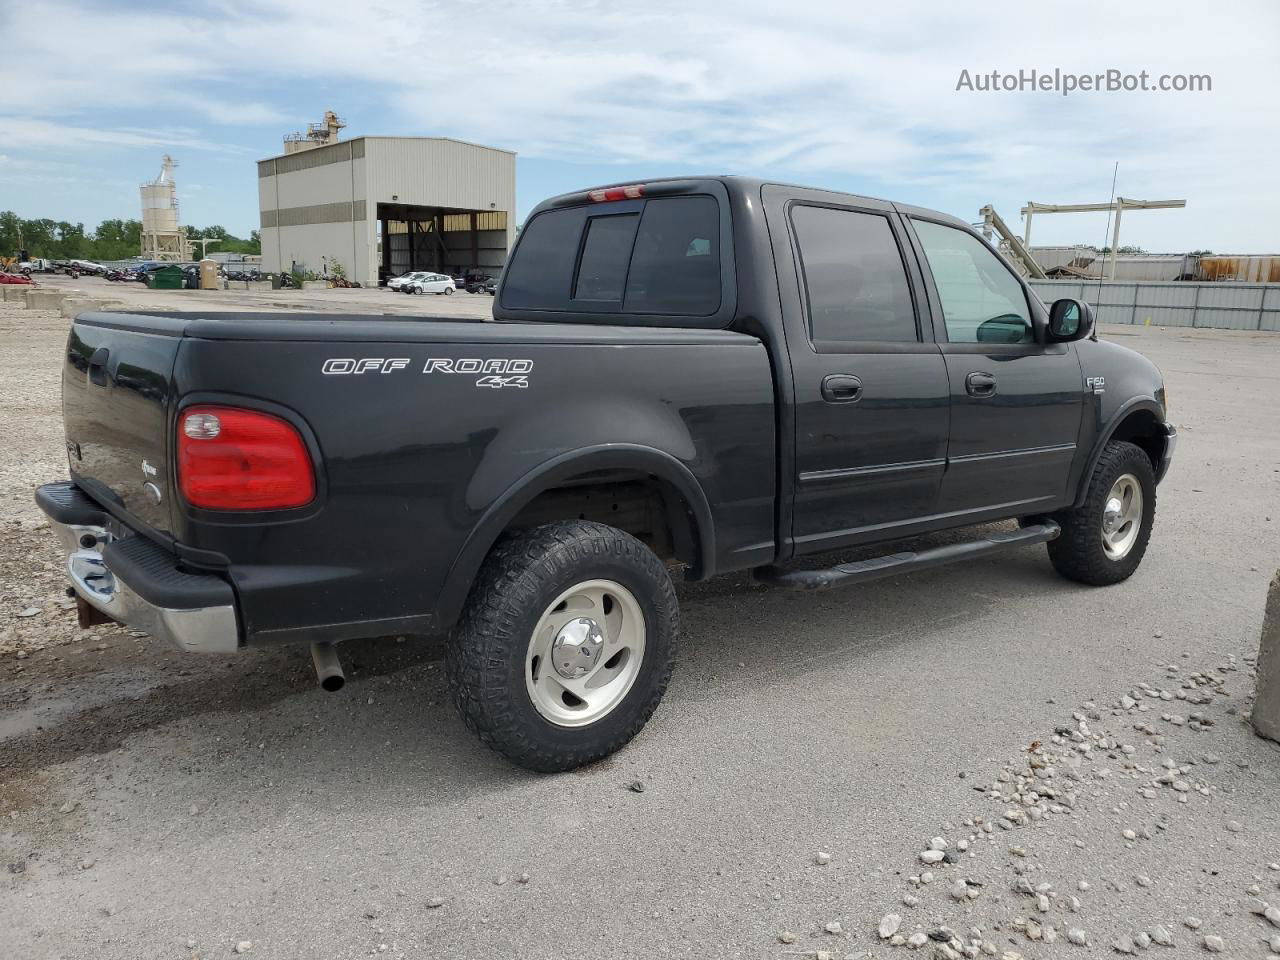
column 834, row 927
column 1256, row 907
column 1077, row 936
column 1273, row 916
column 917, row 940
column 1234, row 826
column 244, row 946
column 1162, row 935
column 822, row 858
column 889, row 925
column 959, row 890
column 931, row 856
column 1214, row 944
column 30, row 612
column 1192, row 923
column 786, row 936
column 1129, row 835
column 938, row 843
column 1042, row 903
column 910, row 901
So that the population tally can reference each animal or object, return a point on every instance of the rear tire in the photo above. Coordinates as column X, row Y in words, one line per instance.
column 603, row 603
column 1105, row 538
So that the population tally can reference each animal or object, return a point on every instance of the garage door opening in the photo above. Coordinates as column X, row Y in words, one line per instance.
column 460, row 243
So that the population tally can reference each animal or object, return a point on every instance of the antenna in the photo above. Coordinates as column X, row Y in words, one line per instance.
column 1115, row 172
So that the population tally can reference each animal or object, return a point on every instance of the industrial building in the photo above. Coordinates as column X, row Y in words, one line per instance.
column 374, row 207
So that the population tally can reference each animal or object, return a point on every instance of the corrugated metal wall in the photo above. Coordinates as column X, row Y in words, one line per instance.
column 1220, row 306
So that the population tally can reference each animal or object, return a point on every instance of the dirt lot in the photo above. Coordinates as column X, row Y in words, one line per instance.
column 1080, row 755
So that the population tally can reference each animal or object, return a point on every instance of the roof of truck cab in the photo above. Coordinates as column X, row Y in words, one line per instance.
column 747, row 185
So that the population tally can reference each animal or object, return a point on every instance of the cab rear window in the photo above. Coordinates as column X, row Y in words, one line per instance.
column 659, row 256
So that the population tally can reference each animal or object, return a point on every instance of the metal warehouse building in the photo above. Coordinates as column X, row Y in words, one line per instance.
column 380, row 206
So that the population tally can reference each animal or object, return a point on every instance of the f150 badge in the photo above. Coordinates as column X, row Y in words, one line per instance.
column 1096, row 384
column 494, row 373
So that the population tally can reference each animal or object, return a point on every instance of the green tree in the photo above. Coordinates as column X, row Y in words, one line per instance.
column 10, row 233
column 113, row 239
column 116, row 240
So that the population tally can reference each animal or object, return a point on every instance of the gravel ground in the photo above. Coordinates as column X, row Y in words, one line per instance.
column 1076, row 761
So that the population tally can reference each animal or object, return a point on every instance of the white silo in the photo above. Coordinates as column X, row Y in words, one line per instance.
column 162, row 236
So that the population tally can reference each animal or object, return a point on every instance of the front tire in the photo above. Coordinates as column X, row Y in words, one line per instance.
column 1103, row 541
column 566, row 645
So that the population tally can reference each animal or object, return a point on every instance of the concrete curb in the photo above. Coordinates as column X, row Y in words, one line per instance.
column 45, row 299
column 14, row 291
column 1266, row 707
column 72, row 307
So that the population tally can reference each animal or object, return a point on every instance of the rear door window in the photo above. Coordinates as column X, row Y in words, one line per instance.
column 854, row 278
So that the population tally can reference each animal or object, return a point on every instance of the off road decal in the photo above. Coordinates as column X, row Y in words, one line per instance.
column 493, row 373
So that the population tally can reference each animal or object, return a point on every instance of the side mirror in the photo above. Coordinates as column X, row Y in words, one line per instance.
column 1070, row 320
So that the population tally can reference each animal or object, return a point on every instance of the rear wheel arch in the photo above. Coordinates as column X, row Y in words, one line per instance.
column 607, row 472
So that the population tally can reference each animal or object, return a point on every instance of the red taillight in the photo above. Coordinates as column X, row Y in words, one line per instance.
column 632, row 192
column 235, row 459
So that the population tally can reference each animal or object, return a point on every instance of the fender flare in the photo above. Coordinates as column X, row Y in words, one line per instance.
column 609, row 456
column 1134, row 405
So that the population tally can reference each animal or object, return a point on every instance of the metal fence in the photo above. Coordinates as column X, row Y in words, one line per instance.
column 1221, row 306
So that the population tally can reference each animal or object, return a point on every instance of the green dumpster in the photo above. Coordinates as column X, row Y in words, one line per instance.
column 277, row 282
column 166, row 278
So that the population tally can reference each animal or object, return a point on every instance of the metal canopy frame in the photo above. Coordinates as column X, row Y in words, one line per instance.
column 1119, row 205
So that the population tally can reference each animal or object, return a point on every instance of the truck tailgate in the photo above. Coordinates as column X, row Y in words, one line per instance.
column 116, row 399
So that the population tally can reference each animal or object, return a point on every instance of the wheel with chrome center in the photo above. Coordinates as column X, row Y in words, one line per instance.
column 566, row 644
column 585, row 653
column 1122, row 517
column 1103, row 540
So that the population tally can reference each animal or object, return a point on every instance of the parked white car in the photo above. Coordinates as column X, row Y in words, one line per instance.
column 431, row 283
column 396, row 283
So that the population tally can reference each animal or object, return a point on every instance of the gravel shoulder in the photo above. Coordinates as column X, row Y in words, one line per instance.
column 1094, row 741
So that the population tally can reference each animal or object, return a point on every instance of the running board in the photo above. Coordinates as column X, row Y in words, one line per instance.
column 876, row 568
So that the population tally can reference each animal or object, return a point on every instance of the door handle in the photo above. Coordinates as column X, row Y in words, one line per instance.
column 841, row 388
column 980, row 384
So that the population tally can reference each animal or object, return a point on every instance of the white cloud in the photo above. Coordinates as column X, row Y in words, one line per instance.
column 808, row 90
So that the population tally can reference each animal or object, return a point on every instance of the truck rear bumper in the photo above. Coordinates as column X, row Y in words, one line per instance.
column 136, row 582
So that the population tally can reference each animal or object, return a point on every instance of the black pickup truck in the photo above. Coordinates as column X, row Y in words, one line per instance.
column 713, row 374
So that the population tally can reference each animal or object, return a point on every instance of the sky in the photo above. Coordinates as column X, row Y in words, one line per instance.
column 845, row 95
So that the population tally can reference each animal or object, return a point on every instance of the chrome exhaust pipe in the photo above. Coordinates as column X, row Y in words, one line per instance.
column 328, row 666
